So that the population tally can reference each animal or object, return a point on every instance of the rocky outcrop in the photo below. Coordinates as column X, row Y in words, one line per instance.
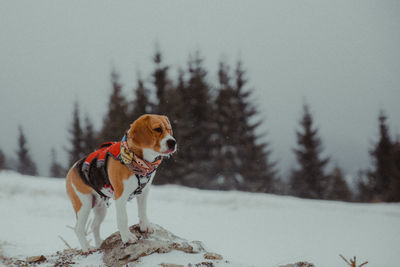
column 161, row 241
column 115, row 253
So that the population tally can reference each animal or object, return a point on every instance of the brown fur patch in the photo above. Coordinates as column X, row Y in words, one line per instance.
column 117, row 174
column 74, row 179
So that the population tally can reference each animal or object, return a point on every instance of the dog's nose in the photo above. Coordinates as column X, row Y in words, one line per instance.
column 171, row 143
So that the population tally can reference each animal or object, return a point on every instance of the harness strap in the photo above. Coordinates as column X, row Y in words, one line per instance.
column 85, row 170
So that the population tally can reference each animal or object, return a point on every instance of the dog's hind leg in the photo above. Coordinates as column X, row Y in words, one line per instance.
column 82, row 200
column 100, row 211
column 81, row 219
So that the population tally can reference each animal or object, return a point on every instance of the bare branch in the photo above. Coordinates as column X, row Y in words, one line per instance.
column 344, row 259
column 353, row 262
column 65, row 242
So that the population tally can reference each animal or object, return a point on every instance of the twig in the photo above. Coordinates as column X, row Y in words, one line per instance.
column 65, row 242
column 353, row 262
column 88, row 231
column 344, row 259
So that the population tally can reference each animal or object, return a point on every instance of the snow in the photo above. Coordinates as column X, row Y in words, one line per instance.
column 248, row 229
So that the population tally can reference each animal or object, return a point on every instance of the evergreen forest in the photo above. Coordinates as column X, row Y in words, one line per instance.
column 220, row 146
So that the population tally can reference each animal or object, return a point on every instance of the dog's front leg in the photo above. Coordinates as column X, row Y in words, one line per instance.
column 122, row 217
column 144, row 223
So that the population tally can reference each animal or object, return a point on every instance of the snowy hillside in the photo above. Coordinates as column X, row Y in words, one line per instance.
column 248, row 229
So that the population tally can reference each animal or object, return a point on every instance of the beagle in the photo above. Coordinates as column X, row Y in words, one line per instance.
column 126, row 170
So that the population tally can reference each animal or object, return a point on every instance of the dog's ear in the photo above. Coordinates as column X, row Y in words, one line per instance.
column 140, row 131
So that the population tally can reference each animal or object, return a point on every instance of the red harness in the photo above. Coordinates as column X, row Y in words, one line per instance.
column 112, row 148
column 142, row 168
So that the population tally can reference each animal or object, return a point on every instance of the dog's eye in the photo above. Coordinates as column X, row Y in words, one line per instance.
column 158, row 130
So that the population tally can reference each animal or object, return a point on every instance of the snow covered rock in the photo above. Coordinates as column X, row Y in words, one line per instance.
column 161, row 241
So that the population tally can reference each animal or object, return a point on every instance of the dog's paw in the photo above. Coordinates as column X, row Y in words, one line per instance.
column 146, row 227
column 128, row 238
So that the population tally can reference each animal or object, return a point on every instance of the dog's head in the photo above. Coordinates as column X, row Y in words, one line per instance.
column 152, row 136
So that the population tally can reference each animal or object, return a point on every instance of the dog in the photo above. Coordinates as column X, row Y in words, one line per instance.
column 120, row 171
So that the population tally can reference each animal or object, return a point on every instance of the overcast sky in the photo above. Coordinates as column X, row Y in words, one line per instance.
column 342, row 57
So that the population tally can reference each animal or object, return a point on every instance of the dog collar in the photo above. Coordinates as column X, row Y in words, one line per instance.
column 134, row 163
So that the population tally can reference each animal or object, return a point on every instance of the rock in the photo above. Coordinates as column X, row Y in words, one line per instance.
column 202, row 264
column 212, row 256
column 170, row 265
column 299, row 264
column 36, row 259
column 161, row 241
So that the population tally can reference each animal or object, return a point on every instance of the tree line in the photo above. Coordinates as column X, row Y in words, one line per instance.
column 219, row 145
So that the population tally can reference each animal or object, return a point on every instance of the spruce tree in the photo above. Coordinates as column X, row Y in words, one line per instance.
column 161, row 83
column 257, row 167
column 242, row 161
column 141, row 104
column 165, row 106
column 394, row 188
column 25, row 162
column 309, row 180
column 2, row 160
column 337, row 188
column 175, row 169
column 196, row 139
column 77, row 150
column 382, row 157
column 226, row 157
column 90, row 140
column 116, row 120
column 382, row 182
column 56, row 170
column 189, row 108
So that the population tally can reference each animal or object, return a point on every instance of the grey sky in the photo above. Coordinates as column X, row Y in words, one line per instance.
column 341, row 56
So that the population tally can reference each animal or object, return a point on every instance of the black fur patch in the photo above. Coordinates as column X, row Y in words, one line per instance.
column 97, row 177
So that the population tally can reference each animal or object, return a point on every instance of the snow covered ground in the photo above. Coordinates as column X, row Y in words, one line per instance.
column 247, row 229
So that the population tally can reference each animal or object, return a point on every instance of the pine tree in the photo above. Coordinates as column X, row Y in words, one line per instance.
column 196, row 143
column 226, row 155
column 25, row 162
column 175, row 169
column 382, row 182
column 141, row 104
column 77, row 150
column 337, row 188
column 56, row 170
column 162, row 84
column 382, row 157
column 116, row 120
column 257, row 167
column 89, row 140
column 394, row 188
column 242, row 162
column 310, row 180
column 2, row 160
